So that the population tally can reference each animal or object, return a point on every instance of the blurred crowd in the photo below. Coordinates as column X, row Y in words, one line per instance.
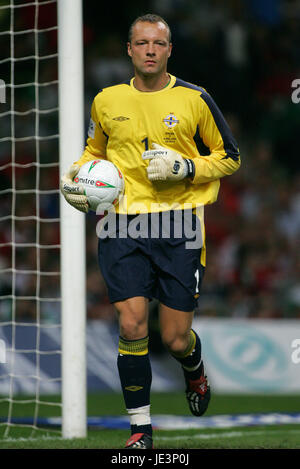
column 246, row 54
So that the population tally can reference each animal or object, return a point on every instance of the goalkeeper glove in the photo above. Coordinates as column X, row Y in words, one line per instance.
column 74, row 193
column 167, row 165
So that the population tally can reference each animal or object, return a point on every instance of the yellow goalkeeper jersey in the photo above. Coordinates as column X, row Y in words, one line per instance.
column 183, row 117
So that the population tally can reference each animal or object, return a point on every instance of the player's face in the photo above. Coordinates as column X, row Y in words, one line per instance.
column 150, row 48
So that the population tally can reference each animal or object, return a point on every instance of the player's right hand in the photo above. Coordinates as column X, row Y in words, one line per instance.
column 74, row 193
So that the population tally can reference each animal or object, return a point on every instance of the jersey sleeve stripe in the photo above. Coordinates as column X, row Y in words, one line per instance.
column 230, row 145
column 186, row 84
column 201, row 147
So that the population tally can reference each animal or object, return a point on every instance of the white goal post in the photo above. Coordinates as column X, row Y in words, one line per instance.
column 73, row 277
column 42, row 238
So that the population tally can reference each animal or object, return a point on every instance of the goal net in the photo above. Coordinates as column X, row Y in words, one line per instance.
column 30, row 250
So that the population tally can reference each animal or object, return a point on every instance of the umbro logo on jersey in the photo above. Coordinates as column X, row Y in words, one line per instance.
column 120, row 118
column 171, row 120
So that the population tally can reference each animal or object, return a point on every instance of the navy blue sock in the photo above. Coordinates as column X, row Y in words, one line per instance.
column 136, row 378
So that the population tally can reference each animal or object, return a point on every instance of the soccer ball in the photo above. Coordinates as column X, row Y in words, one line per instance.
column 103, row 184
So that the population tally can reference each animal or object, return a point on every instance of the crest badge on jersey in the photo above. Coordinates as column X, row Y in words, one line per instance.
column 171, row 120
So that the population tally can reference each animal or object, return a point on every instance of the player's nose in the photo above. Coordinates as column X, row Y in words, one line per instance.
column 150, row 50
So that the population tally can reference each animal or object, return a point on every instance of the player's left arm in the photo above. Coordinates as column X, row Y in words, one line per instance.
column 224, row 158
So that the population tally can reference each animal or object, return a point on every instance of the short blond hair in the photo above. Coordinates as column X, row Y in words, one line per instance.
column 148, row 18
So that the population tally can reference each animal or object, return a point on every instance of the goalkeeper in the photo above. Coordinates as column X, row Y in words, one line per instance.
column 172, row 144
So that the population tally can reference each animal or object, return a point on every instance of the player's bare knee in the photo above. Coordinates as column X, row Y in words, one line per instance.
column 132, row 322
column 133, row 330
column 175, row 343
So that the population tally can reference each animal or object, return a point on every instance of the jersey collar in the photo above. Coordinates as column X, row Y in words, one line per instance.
column 170, row 85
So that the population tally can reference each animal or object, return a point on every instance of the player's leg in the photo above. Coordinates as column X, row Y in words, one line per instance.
column 133, row 317
column 184, row 345
column 178, row 259
column 135, row 368
column 125, row 266
column 179, row 338
column 175, row 327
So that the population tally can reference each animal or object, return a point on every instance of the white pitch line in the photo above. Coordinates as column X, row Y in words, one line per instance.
column 208, row 436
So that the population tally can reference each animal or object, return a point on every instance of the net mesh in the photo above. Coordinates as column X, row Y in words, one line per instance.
column 30, row 372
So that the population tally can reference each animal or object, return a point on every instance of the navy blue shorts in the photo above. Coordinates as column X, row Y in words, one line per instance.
column 152, row 257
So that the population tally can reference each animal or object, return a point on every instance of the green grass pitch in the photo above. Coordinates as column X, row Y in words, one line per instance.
column 254, row 437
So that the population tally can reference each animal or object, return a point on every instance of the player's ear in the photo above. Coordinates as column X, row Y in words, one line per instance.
column 170, row 49
column 129, row 49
